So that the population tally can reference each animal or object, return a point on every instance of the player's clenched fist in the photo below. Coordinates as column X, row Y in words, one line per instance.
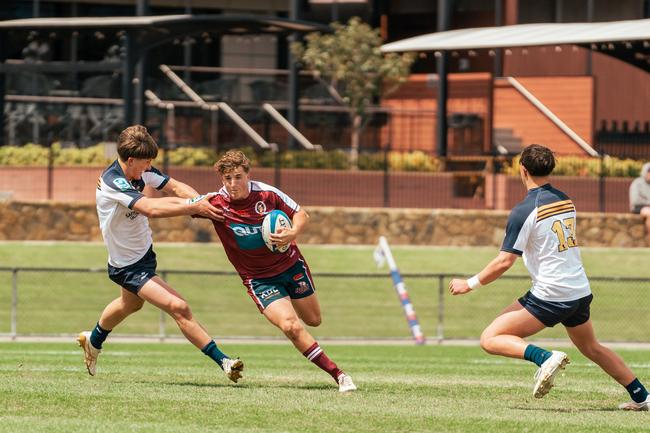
column 458, row 286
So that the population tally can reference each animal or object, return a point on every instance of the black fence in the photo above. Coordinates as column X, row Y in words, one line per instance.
column 37, row 301
column 397, row 164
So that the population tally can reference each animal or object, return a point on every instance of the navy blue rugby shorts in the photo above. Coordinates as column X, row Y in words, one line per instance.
column 569, row 313
column 134, row 276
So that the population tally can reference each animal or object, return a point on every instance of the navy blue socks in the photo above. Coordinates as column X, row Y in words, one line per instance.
column 536, row 354
column 98, row 336
column 214, row 353
column 637, row 391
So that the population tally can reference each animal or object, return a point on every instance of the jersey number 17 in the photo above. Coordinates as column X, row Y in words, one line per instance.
column 566, row 239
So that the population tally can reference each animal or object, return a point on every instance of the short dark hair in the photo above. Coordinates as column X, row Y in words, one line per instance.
column 538, row 160
column 135, row 142
column 231, row 160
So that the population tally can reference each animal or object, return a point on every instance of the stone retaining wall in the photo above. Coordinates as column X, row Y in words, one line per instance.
column 329, row 225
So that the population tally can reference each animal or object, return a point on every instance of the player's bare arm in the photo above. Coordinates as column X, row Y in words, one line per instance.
column 284, row 237
column 179, row 189
column 176, row 206
column 497, row 267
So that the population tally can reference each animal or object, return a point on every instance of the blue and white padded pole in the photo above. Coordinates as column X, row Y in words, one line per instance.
column 382, row 255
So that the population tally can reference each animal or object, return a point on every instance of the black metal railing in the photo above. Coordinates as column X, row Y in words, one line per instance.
column 64, row 301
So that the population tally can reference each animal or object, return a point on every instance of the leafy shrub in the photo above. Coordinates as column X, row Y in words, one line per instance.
column 36, row 155
column 27, row 155
column 586, row 167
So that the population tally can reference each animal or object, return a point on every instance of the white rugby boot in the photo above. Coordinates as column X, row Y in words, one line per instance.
column 546, row 373
column 345, row 383
column 233, row 368
column 90, row 352
column 633, row 405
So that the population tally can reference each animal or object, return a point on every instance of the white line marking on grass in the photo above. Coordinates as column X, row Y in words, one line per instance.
column 75, row 352
column 572, row 364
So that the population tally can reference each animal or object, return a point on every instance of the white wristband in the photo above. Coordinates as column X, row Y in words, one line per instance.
column 474, row 282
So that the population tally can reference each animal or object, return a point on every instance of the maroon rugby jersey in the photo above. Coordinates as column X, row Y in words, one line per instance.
column 241, row 233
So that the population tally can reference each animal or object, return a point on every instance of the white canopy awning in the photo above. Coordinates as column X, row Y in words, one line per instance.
column 526, row 35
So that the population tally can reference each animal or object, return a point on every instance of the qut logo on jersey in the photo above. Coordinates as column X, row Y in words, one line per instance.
column 246, row 230
column 248, row 237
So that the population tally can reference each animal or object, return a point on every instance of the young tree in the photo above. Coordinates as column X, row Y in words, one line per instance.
column 350, row 63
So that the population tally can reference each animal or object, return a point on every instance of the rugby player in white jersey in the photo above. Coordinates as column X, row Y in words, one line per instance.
column 123, row 218
column 542, row 229
column 279, row 283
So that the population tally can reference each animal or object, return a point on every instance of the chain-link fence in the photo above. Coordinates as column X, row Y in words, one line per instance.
column 42, row 301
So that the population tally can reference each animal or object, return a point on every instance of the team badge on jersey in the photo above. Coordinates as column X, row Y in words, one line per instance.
column 122, row 183
column 260, row 207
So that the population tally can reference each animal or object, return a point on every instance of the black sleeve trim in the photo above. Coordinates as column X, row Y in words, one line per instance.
column 163, row 183
column 134, row 201
column 513, row 251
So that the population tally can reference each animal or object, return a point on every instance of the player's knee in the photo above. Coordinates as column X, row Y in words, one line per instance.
column 180, row 310
column 486, row 342
column 136, row 306
column 592, row 350
column 131, row 307
column 314, row 320
column 291, row 328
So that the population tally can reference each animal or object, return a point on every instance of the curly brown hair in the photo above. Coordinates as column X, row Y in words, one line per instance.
column 231, row 160
column 135, row 142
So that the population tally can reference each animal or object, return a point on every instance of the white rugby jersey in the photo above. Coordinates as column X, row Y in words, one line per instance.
column 126, row 232
column 542, row 228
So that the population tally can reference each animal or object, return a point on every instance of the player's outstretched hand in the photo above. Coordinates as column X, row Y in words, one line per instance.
column 283, row 236
column 202, row 207
column 458, row 286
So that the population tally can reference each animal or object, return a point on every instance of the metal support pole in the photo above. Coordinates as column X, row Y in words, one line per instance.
column 141, row 85
column 3, row 54
column 601, row 183
column 440, row 329
column 187, row 49
column 293, row 115
column 498, row 21
column 214, row 127
column 14, row 303
column 128, row 67
column 442, row 60
column 141, row 9
column 590, row 18
column 559, row 15
column 277, row 174
column 50, row 169
column 387, row 160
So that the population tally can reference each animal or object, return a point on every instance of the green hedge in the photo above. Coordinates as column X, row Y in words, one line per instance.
column 587, row 167
column 36, row 155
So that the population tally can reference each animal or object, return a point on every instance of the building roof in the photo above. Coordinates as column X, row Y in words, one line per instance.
column 626, row 40
column 150, row 31
column 236, row 24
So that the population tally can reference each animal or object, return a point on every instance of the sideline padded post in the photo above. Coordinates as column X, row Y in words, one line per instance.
column 382, row 255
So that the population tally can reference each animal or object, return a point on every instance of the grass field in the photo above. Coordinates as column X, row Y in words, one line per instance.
column 65, row 303
column 173, row 388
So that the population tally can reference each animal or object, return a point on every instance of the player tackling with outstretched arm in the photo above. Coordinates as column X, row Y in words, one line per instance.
column 279, row 283
column 542, row 229
column 123, row 211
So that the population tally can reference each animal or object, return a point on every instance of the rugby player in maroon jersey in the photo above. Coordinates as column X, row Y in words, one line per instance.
column 279, row 283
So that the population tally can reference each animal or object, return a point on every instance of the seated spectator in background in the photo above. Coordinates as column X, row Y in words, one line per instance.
column 640, row 197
